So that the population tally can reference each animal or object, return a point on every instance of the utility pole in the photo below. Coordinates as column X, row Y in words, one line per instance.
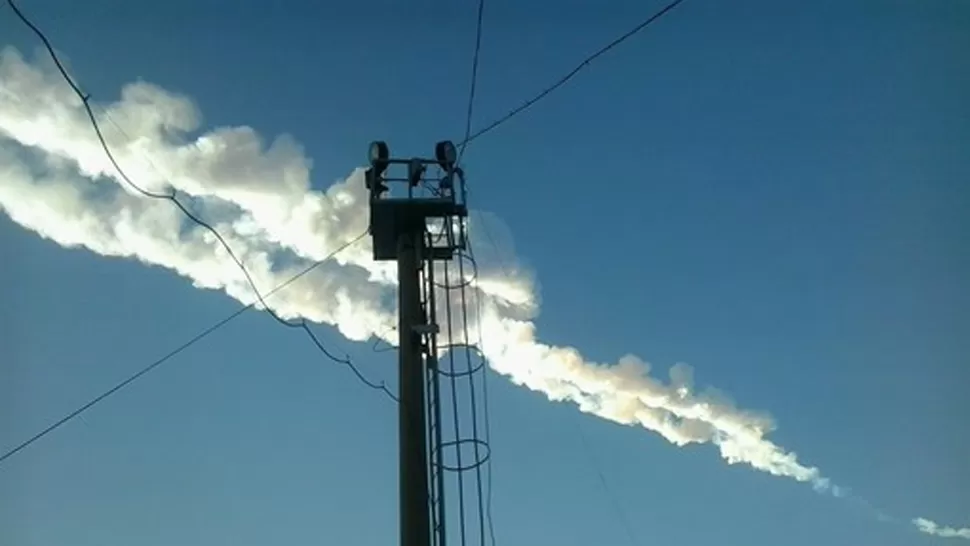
column 399, row 227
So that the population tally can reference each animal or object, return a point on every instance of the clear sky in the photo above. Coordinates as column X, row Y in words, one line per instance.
column 772, row 192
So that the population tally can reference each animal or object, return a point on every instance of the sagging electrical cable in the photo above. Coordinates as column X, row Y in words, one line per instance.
column 570, row 75
column 195, row 339
column 474, row 81
column 173, row 198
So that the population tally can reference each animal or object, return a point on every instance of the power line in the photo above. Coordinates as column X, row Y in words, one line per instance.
column 591, row 455
column 85, row 101
column 562, row 81
column 302, row 324
column 486, row 412
column 170, row 197
column 474, row 80
column 453, row 374
column 195, row 339
column 594, row 461
column 474, row 410
column 456, row 423
column 346, row 361
column 587, row 447
column 487, row 515
column 468, row 138
column 484, row 512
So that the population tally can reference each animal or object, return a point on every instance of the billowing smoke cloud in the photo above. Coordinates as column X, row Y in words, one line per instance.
column 932, row 528
column 56, row 181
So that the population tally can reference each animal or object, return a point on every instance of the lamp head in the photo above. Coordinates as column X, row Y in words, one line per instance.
column 445, row 154
column 378, row 156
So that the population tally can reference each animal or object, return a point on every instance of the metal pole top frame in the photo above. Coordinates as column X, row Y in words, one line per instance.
column 391, row 216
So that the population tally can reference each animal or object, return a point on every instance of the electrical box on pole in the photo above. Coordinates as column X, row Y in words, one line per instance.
column 401, row 224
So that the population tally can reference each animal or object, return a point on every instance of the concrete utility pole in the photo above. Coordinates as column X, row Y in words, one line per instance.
column 400, row 231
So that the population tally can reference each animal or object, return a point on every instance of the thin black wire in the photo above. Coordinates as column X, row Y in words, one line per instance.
column 454, row 408
column 474, row 409
column 346, row 361
column 468, row 137
column 562, row 81
column 171, row 197
column 486, row 412
column 484, row 508
column 85, row 99
column 486, row 513
column 491, row 241
column 198, row 337
column 615, row 505
column 437, row 481
column 588, row 448
column 474, row 81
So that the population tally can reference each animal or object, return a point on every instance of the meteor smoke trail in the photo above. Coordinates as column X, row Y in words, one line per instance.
column 932, row 528
column 56, row 181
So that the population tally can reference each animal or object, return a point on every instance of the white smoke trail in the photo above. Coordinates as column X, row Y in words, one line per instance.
column 930, row 527
column 56, row 181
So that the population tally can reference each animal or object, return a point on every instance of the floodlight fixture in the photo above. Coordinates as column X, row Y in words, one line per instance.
column 446, row 155
column 378, row 155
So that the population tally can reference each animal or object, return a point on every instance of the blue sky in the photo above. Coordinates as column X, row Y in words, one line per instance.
column 771, row 192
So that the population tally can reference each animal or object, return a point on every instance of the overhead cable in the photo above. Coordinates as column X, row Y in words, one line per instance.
column 562, row 81
column 168, row 356
column 477, row 442
column 172, row 198
column 486, row 412
column 474, row 81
